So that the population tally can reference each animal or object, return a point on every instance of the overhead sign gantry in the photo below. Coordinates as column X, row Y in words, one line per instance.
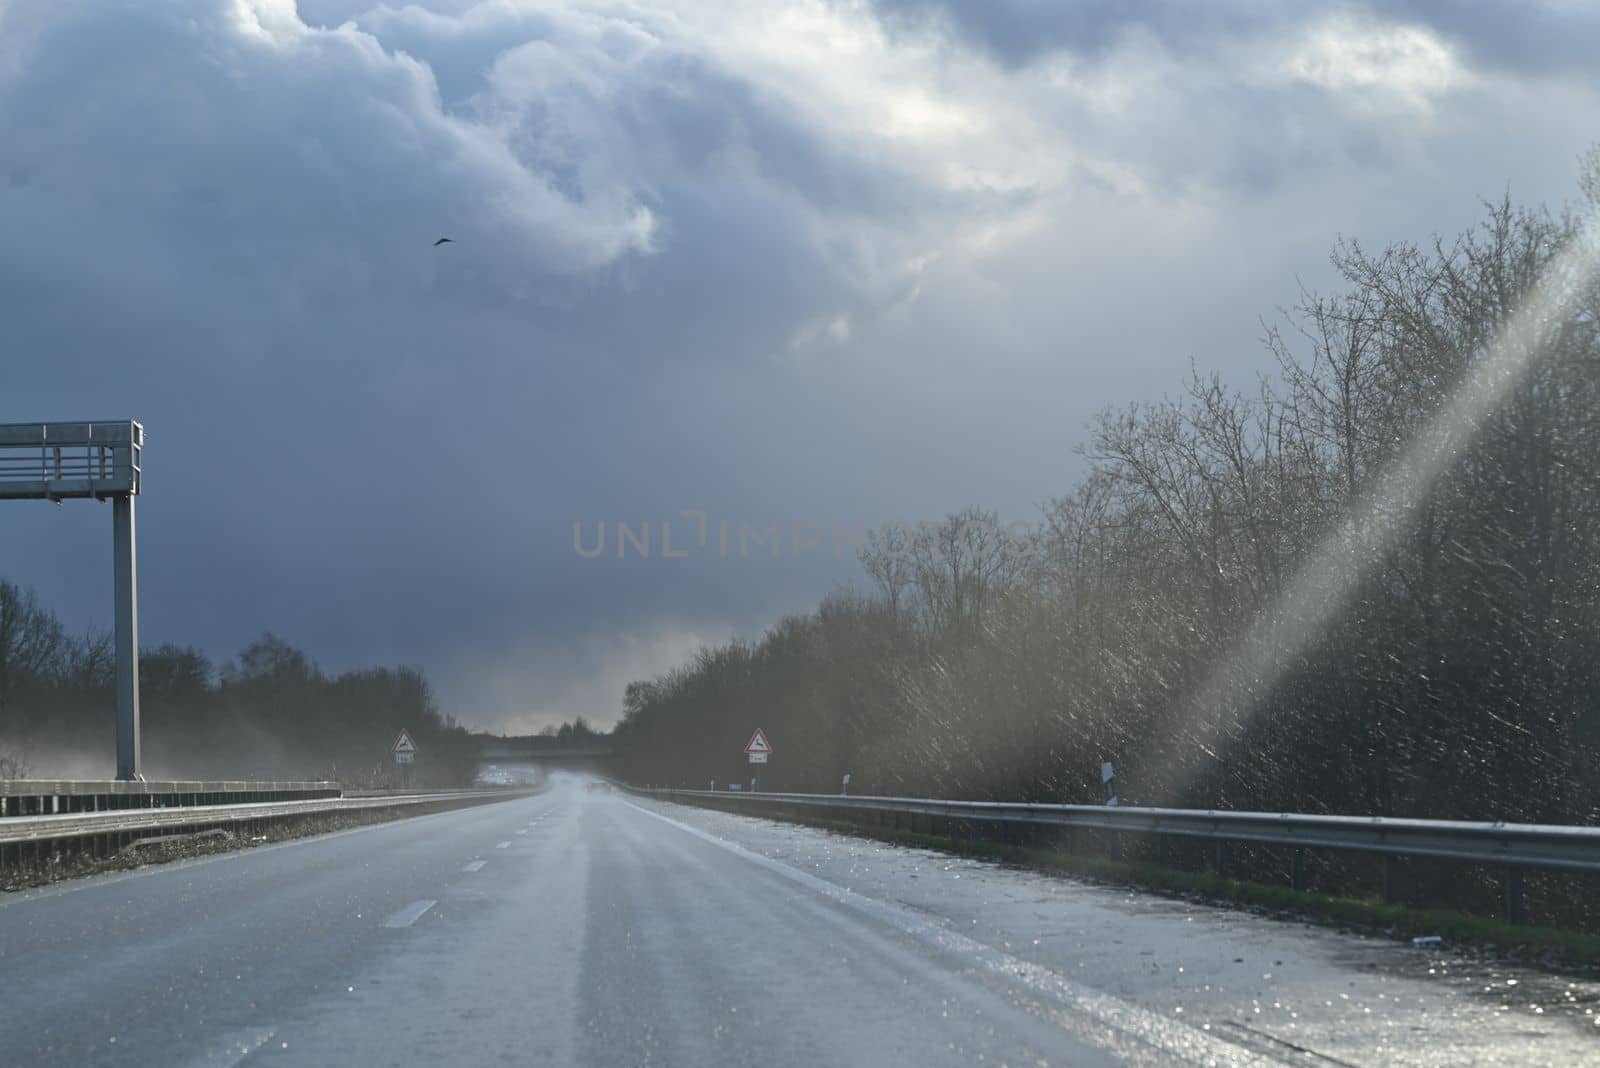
column 91, row 461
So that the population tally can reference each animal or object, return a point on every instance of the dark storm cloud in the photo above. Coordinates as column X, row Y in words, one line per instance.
column 1537, row 39
column 751, row 259
column 375, row 445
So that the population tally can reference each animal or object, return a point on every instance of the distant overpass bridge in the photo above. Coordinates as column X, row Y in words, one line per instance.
column 544, row 750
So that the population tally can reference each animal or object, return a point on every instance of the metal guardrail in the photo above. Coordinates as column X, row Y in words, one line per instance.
column 1514, row 847
column 65, row 787
column 23, row 830
column 40, row 797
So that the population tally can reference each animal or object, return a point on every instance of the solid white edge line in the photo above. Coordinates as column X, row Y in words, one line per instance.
column 231, row 1049
column 1123, row 1016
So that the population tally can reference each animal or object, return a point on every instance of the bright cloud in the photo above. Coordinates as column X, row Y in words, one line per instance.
column 1380, row 64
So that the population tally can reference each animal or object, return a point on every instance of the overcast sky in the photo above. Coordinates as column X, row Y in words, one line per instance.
column 830, row 263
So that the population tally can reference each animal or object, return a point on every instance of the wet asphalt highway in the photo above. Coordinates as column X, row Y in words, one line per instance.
column 582, row 927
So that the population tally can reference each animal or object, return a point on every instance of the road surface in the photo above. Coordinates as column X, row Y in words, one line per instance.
column 583, row 927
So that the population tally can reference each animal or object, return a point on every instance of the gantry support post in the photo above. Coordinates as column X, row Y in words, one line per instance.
column 125, row 552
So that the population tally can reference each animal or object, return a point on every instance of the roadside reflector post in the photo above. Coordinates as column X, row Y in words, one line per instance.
column 1515, row 913
column 1108, row 775
column 1297, row 869
column 1391, row 880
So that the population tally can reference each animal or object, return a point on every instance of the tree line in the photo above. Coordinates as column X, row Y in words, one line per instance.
column 268, row 713
column 1450, row 669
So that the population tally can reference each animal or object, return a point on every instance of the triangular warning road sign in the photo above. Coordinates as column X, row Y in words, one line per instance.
column 404, row 744
column 758, row 743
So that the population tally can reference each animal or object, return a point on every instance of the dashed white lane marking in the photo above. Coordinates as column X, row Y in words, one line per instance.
column 503, row 845
column 523, row 831
column 476, row 865
column 231, row 1049
column 1172, row 1038
column 410, row 914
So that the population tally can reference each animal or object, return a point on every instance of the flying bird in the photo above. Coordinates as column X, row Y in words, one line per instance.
column 442, row 241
